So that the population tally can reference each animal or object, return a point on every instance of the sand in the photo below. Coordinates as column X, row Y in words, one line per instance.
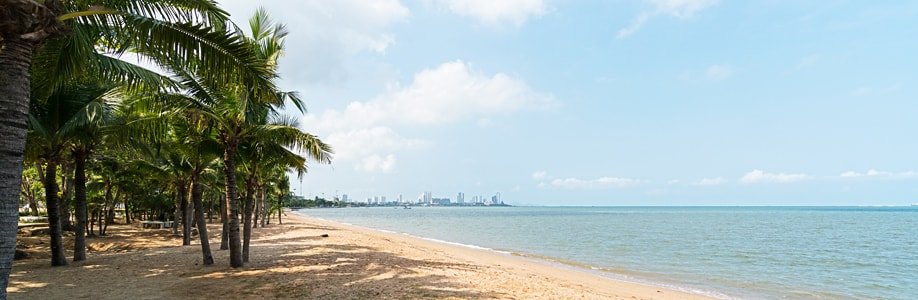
column 293, row 260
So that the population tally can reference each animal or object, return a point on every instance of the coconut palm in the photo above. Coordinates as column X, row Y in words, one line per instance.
column 196, row 143
column 239, row 113
column 267, row 150
column 249, row 118
column 53, row 125
column 85, row 131
column 181, row 30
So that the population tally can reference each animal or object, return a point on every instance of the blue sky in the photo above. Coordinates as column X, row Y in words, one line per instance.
column 654, row 102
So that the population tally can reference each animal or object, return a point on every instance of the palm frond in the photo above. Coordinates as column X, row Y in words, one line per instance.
column 218, row 57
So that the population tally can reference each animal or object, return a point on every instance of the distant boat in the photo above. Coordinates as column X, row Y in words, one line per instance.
column 406, row 207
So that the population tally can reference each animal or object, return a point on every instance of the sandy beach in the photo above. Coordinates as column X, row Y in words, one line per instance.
column 293, row 260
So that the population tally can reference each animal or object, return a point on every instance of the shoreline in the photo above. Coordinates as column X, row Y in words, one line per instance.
column 617, row 285
column 311, row 258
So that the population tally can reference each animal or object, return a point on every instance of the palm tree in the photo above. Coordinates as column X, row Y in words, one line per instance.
column 245, row 117
column 52, row 126
column 237, row 112
column 86, row 130
column 197, row 145
column 266, row 150
column 178, row 29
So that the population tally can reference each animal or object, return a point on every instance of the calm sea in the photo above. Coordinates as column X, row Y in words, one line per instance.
column 728, row 252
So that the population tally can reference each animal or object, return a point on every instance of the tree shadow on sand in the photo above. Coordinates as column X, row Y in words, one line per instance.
column 304, row 267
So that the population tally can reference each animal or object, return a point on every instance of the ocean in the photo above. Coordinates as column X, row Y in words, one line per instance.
column 726, row 252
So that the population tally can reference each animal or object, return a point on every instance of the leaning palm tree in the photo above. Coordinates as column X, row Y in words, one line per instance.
column 181, row 30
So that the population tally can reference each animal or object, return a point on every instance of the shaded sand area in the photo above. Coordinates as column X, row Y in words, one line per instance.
column 293, row 260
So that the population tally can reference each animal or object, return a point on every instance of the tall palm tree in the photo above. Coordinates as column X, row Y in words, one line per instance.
column 244, row 113
column 53, row 125
column 196, row 143
column 178, row 29
column 267, row 150
column 86, row 130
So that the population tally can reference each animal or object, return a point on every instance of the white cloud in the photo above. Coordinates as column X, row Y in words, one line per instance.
column 878, row 174
column 759, row 176
column 375, row 163
column 500, row 12
column 602, row 182
column 362, row 142
column 711, row 181
column 449, row 93
column 682, row 9
column 713, row 73
column 454, row 91
column 540, row 175
column 718, row 72
column 634, row 26
column 326, row 34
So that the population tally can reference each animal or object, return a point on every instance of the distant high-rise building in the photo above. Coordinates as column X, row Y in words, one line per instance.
column 383, row 199
column 400, row 198
column 460, row 198
column 344, row 198
column 428, row 197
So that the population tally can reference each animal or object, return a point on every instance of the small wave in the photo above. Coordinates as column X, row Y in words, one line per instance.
column 459, row 244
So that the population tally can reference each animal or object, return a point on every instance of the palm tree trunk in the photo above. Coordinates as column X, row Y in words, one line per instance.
column 280, row 210
column 16, row 59
column 196, row 195
column 257, row 207
column 54, row 214
column 110, row 211
column 66, row 194
column 79, row 178
column 210, row 211
column 232, row 203
column 224, row 235
column 177, row 210
column 104, row 208
column 29, row 194
column 247, row 218
column 127, row 211
column 183, row 209
column 261, row 207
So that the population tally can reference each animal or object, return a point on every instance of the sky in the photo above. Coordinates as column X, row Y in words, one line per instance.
column 624, row 102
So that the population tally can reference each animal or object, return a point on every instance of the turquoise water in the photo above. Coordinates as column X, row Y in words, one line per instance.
column 729, row 252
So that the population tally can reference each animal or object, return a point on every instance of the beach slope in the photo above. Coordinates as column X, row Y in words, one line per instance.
column 294, row 260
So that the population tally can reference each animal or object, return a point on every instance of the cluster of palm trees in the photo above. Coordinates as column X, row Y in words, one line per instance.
column 208, row 126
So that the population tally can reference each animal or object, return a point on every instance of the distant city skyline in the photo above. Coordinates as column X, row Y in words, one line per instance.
column 694, row 102
column 426, row 198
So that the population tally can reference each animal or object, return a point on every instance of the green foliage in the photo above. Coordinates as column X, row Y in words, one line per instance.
column 144, row 133
column 300, row 202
